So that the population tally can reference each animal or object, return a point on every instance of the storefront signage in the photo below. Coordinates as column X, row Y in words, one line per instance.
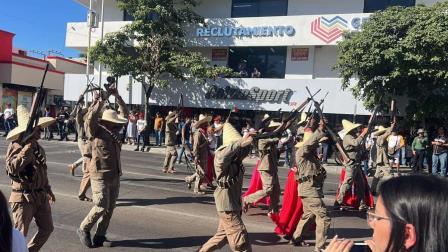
column 255, row 31
column 253, row 94
column 219, row 54
column 328, row 29
column 299, row 54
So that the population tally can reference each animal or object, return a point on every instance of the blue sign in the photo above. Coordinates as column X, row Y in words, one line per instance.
column 255, row 31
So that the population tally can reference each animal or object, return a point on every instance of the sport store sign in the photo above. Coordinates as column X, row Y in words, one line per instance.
column 276, row 31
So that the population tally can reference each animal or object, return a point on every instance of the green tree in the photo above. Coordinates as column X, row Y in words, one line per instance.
column 153, row 48
column 400, row 52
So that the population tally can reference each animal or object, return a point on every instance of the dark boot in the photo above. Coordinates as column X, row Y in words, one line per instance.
column 101, row 241
column 84, row 237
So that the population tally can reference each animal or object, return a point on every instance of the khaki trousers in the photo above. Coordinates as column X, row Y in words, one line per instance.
column 271, row 188
column 24, row 212
column 382, row 173
column 353, row 173
column 80, row 161
column 314, row 208
column 198, row 176
column 104, row 194
column 231, row 229
column 85, row 184
column 170, row 157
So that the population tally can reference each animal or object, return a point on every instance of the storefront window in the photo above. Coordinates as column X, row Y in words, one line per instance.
column 258, row 62
column 259, row 8
column 376, row 5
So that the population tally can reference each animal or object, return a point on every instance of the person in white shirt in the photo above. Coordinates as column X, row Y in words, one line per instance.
column 9, row 119
column 141, row 129
column 217, row 127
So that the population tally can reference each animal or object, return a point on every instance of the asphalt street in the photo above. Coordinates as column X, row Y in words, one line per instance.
column 156, row 211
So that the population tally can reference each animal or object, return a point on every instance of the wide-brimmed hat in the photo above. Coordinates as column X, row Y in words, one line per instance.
column 265, row 117
column 110, row 115
column 306, row 136
column 23, row 116
column 303, row 118
column 421, row 131
column 231, row 135
column 349, row 126
column 273, row 125
column 380, row 130
column 202, row 119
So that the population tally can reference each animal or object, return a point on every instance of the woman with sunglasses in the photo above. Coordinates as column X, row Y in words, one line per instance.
column 409, row 216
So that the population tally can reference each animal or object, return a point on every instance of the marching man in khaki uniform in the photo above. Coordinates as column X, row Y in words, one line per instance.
column 31, row 192
column 229, row 171
column 268, row 168
column 79, row 114
column 352, row 144
column 311, row 175
column 170, row 142
column 382, row 161
column 103, row 160
column 200, row 153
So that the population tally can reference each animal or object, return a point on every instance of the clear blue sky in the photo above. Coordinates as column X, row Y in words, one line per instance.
column 40, row 24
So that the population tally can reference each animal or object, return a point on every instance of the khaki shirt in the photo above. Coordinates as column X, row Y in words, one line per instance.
column 268, row 154
column 381, row 148
column 170, row 130
column 309, row 168
column 353, row 147
column 200, row 148
column 226, row 168
column 17, row 158
column 103, row 149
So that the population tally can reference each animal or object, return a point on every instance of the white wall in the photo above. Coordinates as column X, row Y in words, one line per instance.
column 214, row 8
column 324, row 59
column 320, row 7
column 299, row 69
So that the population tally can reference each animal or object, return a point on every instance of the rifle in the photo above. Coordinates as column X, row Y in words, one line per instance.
column 295, row 111
column 38, row 100
column 393, row 111
column 312, row 115
column 333, row 135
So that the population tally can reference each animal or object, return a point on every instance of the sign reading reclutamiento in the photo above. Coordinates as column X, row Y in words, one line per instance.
column 253, row 94
column 256, row 31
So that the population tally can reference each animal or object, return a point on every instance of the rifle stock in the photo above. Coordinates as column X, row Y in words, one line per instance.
column 38, row 99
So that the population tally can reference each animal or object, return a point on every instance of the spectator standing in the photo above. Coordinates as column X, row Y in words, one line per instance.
column 48, row 134
column 286, row 143
column 212, row 139
column 8, row 116
column 394, row 144
column 217, row 128
column 158, row 123
column 131, row 132
column 256, row 73
column 62, row 116
column 440, row 152
column 141, row 129
column 185, row 139
column 418, row 151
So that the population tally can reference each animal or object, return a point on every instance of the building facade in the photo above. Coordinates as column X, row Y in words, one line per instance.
column 278, row 46
column 21, row 75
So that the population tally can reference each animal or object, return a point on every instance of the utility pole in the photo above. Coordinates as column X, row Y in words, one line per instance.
column 100, row 68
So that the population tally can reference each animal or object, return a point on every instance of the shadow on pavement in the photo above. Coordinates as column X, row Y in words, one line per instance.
column 208, row 200
column 259, row 239
column 168, row 180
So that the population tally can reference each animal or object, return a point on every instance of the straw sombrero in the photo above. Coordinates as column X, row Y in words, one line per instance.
column 349, row 126
column 202, row 119
column 23, row 116
column 380, row 130
column 110, row 115
column 306, row 136
column 303, row 118
column 231, row 135
column 421, row 131
column 265, row 117
column 273, row 125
